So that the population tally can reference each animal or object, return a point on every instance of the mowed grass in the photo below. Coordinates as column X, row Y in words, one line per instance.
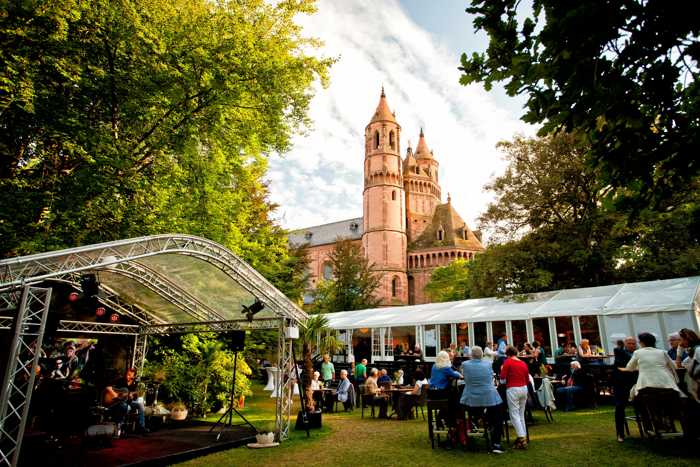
column 585, row 437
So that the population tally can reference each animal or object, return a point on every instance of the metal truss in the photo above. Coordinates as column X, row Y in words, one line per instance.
column 210, row 326
column 6, row 322
column 111, row 299
column 18, row 384
column 138, row 359
column 89, row 327
column 15, row 272
column 284, row 383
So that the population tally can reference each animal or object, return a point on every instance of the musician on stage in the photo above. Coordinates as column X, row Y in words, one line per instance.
column 122, row 396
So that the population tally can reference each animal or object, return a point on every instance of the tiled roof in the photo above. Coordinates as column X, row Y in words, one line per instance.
column 327, row 233
column 453, row 227
column 383, row 112
column 422, row 151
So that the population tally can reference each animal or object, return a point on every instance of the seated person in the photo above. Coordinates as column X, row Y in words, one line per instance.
column 417, row 352
column 121, row 396
column 480, row 395
column 573, row 383
column 420, row 381
column 315, row 383
column 675, row 350
column 372, row 389
column 585, row 350
column 384, row 377
column 656, row 370
column 489, row 354
column 441, row 375
column 466, row 351
column 399, row 377
column 345, row 391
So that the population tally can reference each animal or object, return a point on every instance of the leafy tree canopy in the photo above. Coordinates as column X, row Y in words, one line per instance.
column 132, row 117
column 449, row 283
column 625, row 73
column 354, row 281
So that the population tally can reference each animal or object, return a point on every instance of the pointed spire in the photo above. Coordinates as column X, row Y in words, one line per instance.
column 383, row 112
column 422, row 151
column 449, row 198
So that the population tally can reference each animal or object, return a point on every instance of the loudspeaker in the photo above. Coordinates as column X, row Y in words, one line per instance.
column 236, row 340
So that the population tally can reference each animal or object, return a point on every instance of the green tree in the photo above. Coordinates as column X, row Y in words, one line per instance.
column 123, row 118
column 449, row 283
column 354, row 281
column 548, row 210
column 624, row 73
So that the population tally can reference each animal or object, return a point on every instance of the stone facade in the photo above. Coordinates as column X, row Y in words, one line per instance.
column 406, row 231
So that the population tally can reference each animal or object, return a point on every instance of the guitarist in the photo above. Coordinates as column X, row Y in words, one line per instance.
column 122, row 397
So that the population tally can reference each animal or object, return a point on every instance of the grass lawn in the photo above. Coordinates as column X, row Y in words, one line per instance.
column 585, row 437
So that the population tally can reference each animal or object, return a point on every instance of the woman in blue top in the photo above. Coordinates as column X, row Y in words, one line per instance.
column 480, row 395
column 442, row 372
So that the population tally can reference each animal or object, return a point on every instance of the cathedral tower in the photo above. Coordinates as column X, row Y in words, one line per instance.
column 384, row 220
column 422, row 189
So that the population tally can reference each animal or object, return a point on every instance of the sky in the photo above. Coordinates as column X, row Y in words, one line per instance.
column 412, row 47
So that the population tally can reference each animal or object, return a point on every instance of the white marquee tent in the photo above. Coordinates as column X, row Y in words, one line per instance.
column 660, row 307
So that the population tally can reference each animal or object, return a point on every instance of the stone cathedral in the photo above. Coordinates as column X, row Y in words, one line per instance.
column 406, row 230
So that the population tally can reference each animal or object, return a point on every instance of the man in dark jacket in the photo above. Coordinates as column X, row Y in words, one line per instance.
column 622, row 383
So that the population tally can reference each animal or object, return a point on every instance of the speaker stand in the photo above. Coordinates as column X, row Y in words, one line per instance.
column 221, row 425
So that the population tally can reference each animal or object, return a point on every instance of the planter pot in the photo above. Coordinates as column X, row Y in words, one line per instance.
column 313, row 419
column 178, row 414
column 265, row 438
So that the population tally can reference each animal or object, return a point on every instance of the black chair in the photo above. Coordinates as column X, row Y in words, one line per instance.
column 656, row 412
column 366, row 400
column 421, row 400
column 436, row 426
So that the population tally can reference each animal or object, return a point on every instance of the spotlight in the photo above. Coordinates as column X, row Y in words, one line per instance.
column 100, row 311
column 73, row 297
column 252, row 310
column 114, row 318
column 90, row 285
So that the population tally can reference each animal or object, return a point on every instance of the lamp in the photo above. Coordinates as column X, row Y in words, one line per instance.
column 251, row 310
column 73, row 297
column 100, row 311
column 114, row 317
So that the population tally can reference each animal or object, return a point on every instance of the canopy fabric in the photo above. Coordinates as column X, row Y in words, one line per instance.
column 173, row 278
column 640, row 297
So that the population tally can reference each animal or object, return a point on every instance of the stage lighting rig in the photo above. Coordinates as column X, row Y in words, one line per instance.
column 251, row 310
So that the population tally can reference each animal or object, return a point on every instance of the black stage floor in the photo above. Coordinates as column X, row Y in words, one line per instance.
column 163, row 447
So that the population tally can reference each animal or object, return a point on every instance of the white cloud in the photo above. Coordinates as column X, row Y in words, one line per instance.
column 320, row 180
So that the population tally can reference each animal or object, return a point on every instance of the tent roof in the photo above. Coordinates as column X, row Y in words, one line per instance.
column 662, row 295
column 170, row 279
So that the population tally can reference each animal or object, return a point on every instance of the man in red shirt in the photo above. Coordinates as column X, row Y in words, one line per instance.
column 515, row 375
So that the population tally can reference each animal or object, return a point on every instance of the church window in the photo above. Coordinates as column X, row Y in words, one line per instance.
column 417, row 170
column 393, row 195
column 394, row 286
column 376, row 140
column 327, row 271
column 464, row 234
column 440, row 234
column 392, row 142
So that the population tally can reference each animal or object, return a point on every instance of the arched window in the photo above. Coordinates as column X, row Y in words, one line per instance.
column 327, row 271
column 392, row 140
column 393, row 195
column 417, row 170
column 440, row 234
column 394, row 286
column 376, row 140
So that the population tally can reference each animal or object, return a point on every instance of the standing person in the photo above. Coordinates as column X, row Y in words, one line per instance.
column 691, row 341
column 501, row 346
column 361, row 371
column 515, row 376
column 327, row 370
column 622, row 383
column 480, row 395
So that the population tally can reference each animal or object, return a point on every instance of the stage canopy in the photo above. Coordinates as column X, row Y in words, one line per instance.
column 161, row 280
column 654, row 296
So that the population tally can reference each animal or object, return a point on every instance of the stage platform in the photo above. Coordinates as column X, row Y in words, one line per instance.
column 168, row 445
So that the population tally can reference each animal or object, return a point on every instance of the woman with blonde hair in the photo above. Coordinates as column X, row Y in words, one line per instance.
column 442, row 372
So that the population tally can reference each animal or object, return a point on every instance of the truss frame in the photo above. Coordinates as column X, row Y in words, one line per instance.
column 23, row 358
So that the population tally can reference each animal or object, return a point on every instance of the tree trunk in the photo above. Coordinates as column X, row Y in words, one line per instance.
column 306, row 379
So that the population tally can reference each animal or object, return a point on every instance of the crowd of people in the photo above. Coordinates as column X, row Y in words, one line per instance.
column 485, row 380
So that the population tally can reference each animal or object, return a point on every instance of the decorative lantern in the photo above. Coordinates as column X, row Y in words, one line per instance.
column 114, row 317
column 100, row 311
column 73, row 297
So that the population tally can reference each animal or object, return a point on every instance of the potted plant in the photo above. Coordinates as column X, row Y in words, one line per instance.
column 266, row 434
column 178, row 411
